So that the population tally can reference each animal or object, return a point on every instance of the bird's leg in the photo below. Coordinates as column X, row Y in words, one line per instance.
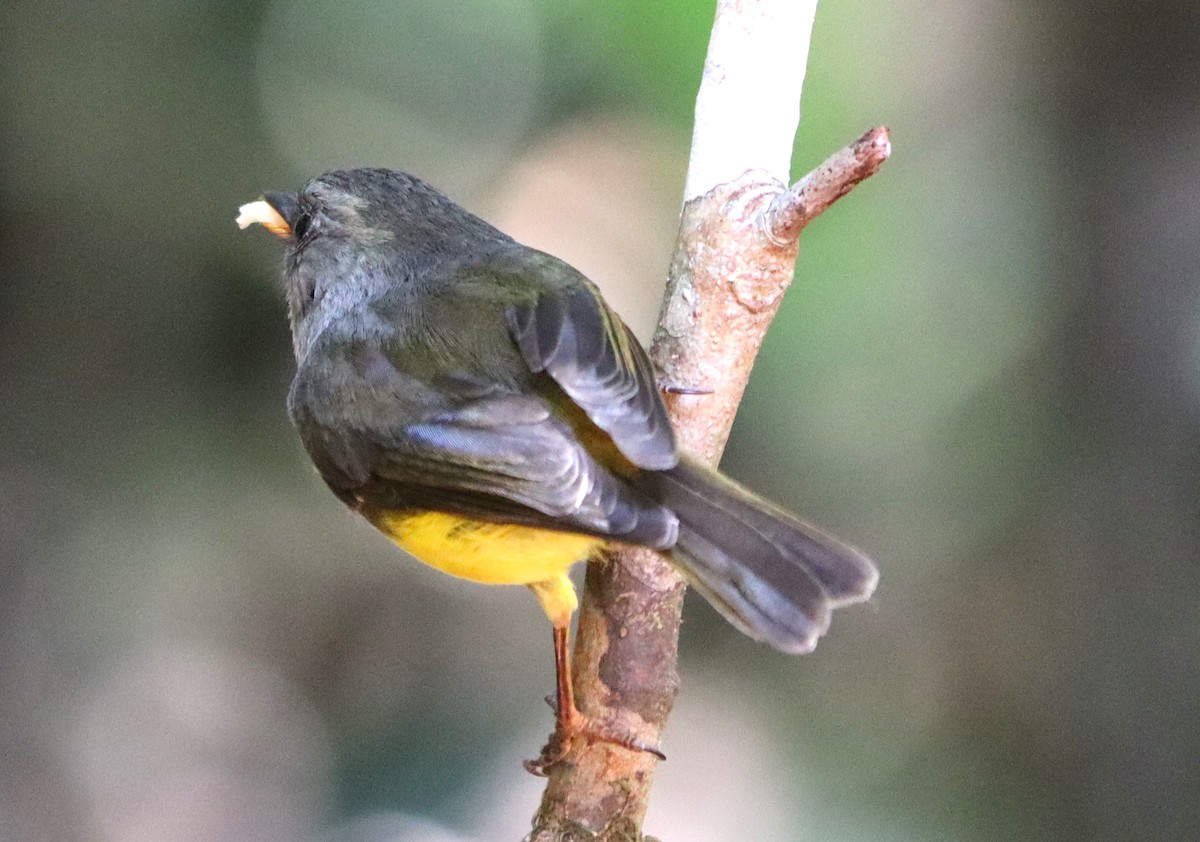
column 570, row 725
column 566, row 715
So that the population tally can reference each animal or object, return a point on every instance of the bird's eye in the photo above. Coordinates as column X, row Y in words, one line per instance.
column 301, row 226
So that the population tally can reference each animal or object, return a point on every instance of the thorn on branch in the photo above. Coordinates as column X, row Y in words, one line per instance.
column 676, row 389
column 809, row 197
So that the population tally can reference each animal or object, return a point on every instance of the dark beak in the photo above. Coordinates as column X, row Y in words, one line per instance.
column 286, row 205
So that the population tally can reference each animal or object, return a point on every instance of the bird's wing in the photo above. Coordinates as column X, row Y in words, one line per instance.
column 569, row 332
column 381, row 435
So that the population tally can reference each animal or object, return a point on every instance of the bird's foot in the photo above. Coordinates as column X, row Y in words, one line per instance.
column 574, row 729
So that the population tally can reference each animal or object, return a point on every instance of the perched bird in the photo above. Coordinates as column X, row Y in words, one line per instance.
column 481, row 405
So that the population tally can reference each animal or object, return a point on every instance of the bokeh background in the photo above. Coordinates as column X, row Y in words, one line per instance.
column 987, row 374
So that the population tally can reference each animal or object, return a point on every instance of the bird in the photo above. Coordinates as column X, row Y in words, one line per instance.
column 480, row 404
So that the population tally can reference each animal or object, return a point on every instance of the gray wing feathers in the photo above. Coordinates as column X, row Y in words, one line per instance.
column 458, row 443
column 511, row 446
column 576, row 339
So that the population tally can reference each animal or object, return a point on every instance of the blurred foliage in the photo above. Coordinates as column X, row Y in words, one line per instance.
column 987, row 374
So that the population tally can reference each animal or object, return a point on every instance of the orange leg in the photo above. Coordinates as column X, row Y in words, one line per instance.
column 570, row 724
column 565, row 712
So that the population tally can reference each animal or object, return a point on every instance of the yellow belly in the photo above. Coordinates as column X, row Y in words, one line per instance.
column 492, row 553
column 495, row 553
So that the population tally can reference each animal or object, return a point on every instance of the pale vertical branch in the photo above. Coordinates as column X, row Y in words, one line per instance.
column 748, row 105
column 733, row 261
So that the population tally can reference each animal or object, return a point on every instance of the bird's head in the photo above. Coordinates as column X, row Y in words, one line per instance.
column 353, row 234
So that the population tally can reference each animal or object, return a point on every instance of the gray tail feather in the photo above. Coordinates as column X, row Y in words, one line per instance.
column 770, row 574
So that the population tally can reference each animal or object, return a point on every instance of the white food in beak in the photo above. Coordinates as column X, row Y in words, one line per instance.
column 262, row 213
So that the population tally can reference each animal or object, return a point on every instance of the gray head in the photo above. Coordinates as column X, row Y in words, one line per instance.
column 354, row 233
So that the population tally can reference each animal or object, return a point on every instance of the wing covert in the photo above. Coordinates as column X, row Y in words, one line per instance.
column 458, row 444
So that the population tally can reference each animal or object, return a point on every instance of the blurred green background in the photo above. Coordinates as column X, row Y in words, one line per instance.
column 987, row 374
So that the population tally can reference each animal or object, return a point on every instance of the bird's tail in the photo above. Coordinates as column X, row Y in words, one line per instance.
column 770, row 574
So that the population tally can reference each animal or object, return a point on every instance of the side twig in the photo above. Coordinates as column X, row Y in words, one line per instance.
column 810, row 196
